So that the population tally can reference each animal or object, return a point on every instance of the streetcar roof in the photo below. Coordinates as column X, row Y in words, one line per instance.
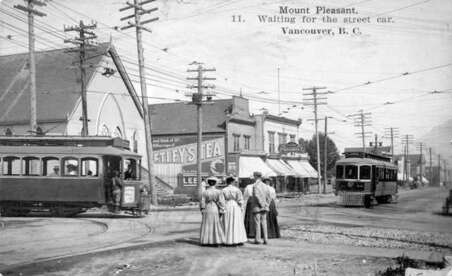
column 364, row 161
column 57, row 150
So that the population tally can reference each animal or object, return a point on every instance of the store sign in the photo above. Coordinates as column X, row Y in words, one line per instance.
column 183, row 150
column 129, row 194
column 290, row 148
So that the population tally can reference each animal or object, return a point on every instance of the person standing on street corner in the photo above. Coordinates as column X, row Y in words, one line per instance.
column 234, row 228
column 212, row 206
column 260, row 209
column 272, row 216
column 247, row 209
column 116, row 182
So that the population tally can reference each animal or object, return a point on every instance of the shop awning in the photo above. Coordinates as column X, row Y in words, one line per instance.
column 250, row 164
column 303, row 168
column 280, row 167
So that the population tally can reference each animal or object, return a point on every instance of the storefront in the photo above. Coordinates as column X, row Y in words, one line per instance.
column 175, row 160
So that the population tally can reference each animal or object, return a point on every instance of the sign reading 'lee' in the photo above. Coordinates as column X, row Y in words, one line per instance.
column 185, row 154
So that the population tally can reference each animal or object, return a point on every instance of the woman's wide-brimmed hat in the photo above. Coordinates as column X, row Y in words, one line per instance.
column 228, row 178
column 212, row 179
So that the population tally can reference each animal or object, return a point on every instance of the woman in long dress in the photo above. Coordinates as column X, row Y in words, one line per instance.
column 248, row 210
column 272, row 215
column 234, row 228
column 212, row 205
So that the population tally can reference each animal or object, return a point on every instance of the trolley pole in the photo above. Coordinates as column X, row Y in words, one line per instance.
column 31, row 12
column 139, row 10
column 315, row 102
column 197, row 99
column 84, row 42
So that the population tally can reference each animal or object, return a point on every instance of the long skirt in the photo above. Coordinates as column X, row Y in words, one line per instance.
column 211, row 229
column 272, row 222
column 234, row 228
column 249, row 221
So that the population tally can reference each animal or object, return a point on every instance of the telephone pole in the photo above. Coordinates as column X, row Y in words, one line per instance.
column 197, row 99
column 325, row 154
column 31, row 12
column 279, row 97
column 420, row 145
column 439, row 169
column 84, row 41
column 361, row 120
column 392, row 132
column 139, row 10
column 430, row 165
column 313, row 99
column 407, row 140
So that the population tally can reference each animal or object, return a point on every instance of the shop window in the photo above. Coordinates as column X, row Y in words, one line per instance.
column 364, row 172
column 11, row 165
column 90, row 166
column 31, row 166
column 271, row 142
column 70, row 167
column 236, row 140
column 50, row 166
column 247, row 139
column 282, row 138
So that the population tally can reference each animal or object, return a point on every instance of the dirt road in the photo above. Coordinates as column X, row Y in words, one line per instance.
column 319, row 237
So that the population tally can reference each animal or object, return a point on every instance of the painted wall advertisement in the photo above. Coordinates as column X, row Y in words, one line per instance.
column 182, row 150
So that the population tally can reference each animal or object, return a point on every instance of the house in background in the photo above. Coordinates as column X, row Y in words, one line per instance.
column 114, row 108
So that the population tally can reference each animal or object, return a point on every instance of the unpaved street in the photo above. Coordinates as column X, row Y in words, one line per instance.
column 318, row 237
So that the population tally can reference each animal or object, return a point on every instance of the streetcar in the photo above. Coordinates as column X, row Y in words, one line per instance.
column 67, row 175
column 365, row 178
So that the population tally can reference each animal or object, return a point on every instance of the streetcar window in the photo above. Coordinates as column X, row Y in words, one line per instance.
column 364, row 172
column 381, row 173
column 351, row 172
column 339, row 171
column 31, row 166
column 11, row 165
column 90, row 167
column 70, row 167
column 130, row 166
column 50, row 166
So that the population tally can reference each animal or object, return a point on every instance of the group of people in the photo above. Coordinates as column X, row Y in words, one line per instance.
column 230, row 217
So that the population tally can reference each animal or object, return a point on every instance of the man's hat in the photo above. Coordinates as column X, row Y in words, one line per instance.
column 257, row 174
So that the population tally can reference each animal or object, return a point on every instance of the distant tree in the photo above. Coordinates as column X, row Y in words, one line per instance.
column 311, row 148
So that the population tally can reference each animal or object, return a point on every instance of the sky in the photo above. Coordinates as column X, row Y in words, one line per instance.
column 389, row 69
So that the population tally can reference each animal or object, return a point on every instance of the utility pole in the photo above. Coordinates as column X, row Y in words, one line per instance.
column 439, row 169
column 430, row 161
column 407, row 140
column 420, row 161
column 139, row 10
column 84, row 41
column 392, row 132
column 325, row 154
column 197, row 99
column 314, row 97
column 361, row 120
column 31, row 12
column 279, row 97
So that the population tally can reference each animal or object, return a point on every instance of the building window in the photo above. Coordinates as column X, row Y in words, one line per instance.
column 282, row 138
column 247, row 139
column 105, row 131
column 271, row 142
column 292, row 138
column 236, row 140
column 117, row 133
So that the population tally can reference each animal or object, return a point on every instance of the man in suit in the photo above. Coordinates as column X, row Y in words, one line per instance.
column 260, row 207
